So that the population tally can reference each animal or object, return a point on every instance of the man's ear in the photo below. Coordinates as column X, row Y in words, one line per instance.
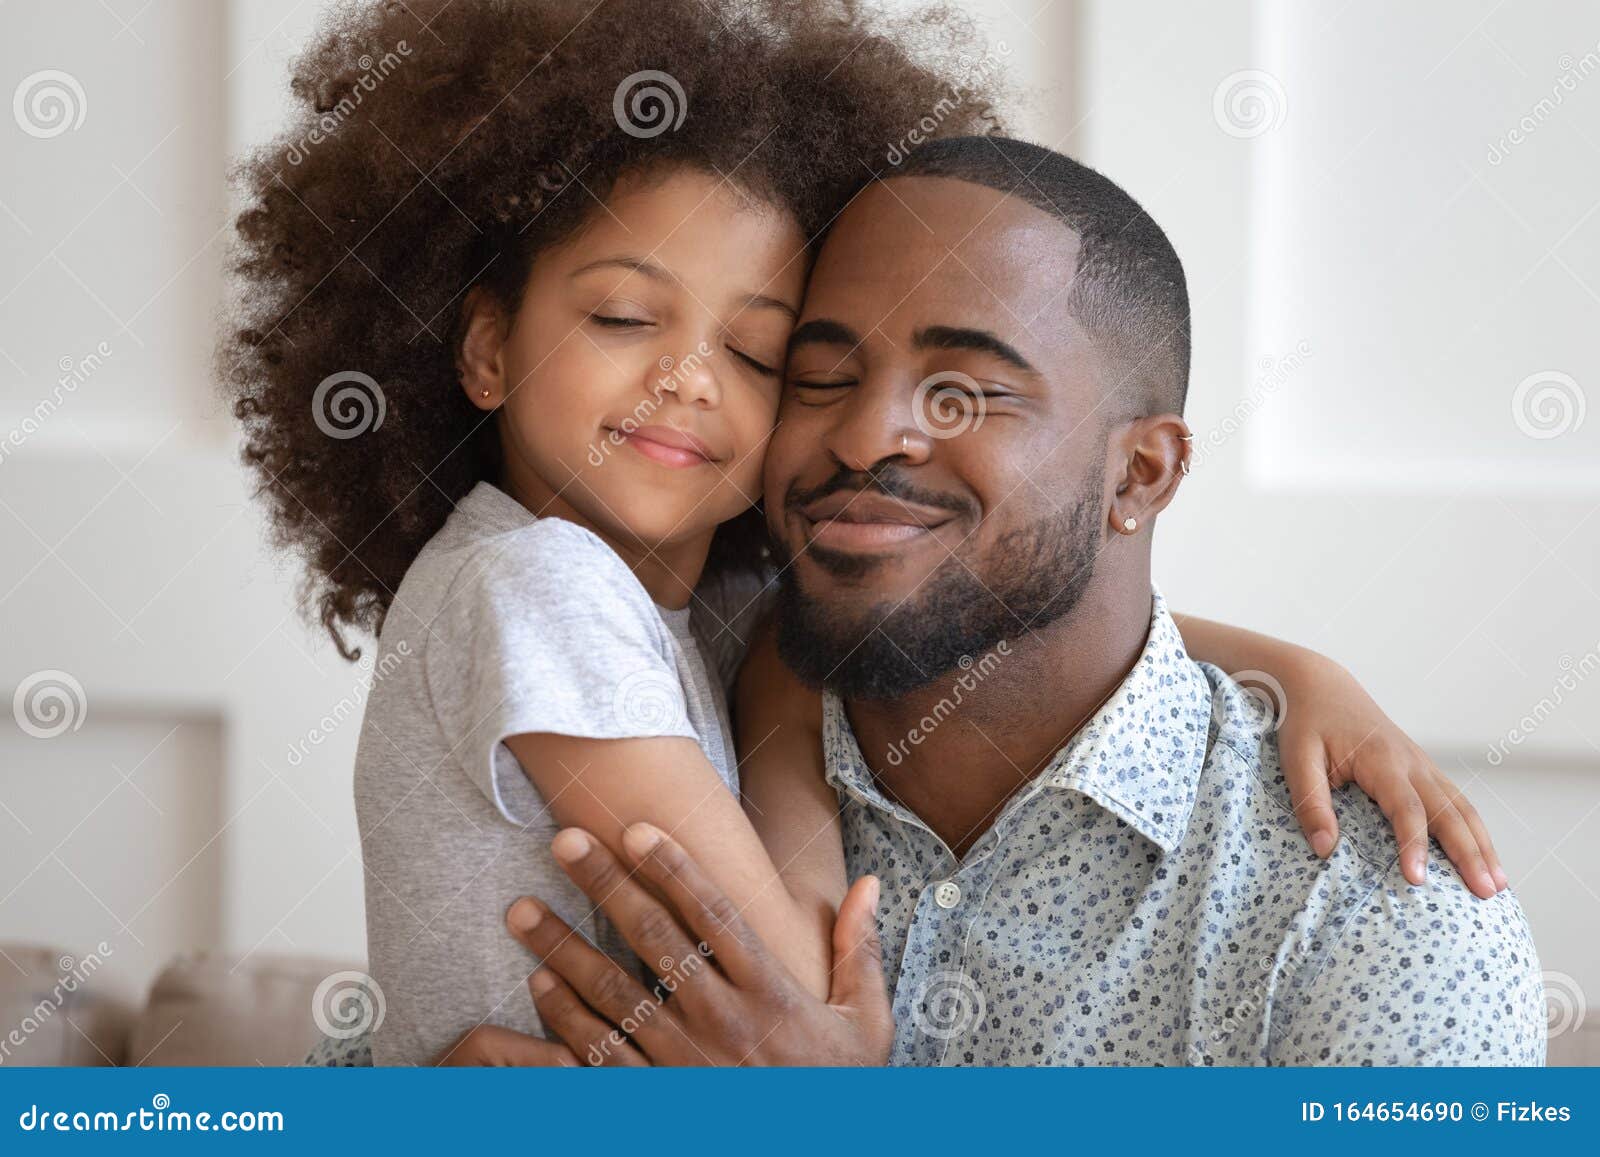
column 478, row 362
column 1147, row 458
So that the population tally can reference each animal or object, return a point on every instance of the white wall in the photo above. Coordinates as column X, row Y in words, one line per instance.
column 1375, row 497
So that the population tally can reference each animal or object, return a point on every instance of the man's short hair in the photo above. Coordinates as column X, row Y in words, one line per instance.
column 1128, row 289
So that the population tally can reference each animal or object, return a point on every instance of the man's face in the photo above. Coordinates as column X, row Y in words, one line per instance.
column 922, row 521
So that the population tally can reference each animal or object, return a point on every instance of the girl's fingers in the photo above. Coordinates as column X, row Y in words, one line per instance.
column 1305, row 769
column 1450, row 828
column 1409, row 818
column 593, row 1041
column 1481, row 834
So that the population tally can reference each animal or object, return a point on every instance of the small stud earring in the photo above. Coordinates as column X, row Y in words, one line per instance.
column 483, row 393
column 1130, row 524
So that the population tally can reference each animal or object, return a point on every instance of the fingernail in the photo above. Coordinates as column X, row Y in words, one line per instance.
column 1322, row 843
column 1488, row 883
column 525, row 914
column 1501, row 883
column 570, row 846
column 641, row 839
column 873, row 890
column 541, row 982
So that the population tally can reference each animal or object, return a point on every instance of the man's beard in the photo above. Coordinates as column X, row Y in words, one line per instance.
column 1031, row 577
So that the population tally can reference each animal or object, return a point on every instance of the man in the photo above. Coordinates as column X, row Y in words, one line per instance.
column 1094, row 861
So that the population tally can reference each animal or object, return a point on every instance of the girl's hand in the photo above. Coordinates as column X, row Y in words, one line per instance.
column 1333, row 734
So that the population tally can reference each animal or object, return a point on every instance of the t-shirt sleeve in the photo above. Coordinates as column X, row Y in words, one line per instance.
column 544, row 629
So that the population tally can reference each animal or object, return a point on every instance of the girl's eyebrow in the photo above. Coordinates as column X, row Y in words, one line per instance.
column 636, row 264
column 660, row 273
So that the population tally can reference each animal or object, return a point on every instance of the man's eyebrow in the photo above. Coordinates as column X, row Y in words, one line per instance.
column 947, row 337
column 823, row 331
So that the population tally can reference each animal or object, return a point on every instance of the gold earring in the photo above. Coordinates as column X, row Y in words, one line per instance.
column 1130, row 524
column 903, row 440
column 483, row 393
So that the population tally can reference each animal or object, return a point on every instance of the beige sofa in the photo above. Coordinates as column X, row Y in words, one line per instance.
column 219, row 1009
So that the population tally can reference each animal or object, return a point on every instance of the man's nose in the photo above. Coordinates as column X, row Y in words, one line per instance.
column 878, row 422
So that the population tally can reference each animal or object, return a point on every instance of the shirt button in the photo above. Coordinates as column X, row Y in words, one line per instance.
column 947, row 894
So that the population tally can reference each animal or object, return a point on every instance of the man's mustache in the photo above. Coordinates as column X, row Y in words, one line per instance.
column 891, row 481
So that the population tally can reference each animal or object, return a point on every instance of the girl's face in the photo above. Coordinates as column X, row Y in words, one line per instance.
column 638, row 382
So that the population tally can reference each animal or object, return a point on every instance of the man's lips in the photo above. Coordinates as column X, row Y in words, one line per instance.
column 666, row 445
column 855, row 520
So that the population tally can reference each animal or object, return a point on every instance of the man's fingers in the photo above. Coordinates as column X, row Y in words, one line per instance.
column 711, row 916
column 599, row 981
column 858, row 983
column 592, row 1040
column 490, row 1044
column 1305, row 768
column 650, row 929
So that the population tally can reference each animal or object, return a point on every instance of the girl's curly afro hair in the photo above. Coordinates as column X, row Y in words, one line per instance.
column 438, row 146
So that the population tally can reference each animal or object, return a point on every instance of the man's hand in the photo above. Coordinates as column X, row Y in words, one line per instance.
column 731, row 1002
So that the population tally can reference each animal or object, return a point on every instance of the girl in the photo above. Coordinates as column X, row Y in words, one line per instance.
column 519, row 243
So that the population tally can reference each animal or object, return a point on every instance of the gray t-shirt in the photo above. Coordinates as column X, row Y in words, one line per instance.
column 508, row 624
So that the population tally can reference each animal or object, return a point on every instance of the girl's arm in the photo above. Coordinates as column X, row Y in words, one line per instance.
column 605, row 785
column 786, row 793
column 1330, row 733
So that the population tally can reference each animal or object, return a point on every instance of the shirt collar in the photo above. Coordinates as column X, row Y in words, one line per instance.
column 1140, row 757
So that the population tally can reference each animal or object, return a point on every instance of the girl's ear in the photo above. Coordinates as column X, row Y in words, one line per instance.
column 478, row 358
column 1152, row 454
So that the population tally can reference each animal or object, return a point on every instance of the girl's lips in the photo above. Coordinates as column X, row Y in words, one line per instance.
column 666, row 446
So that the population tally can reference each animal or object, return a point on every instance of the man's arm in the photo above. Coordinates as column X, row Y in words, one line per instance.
column 1419, row 976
